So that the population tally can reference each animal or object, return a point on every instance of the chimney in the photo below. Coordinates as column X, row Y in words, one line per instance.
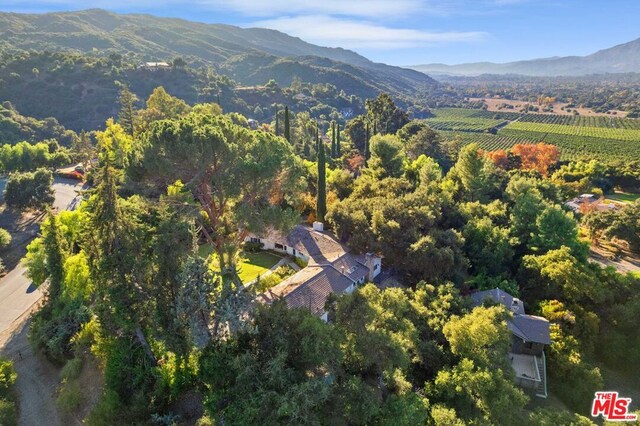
column 369, row 263
column 318, row 226
column 342, row 270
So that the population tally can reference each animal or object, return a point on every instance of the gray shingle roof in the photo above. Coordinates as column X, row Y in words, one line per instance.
column 528, row 327
column 331, row 269
column 531, row 328
column 499, row 296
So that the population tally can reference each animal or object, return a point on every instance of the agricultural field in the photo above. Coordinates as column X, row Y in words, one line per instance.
column 578, row 137
column 463, row 120
column 632, row 135
column 488, row 141
column 583, row 121
column 581, row 147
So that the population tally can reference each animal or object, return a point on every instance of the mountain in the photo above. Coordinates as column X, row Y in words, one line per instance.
column 622, row 58
column 231, row 50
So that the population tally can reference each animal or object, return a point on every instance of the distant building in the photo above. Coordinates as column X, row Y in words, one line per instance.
column 253, row 124
column 346, row 112
column 330, row 268
column 155, row 66
column 589, row 202
column 530, row 334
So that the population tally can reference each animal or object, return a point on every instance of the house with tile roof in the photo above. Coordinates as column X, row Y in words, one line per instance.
column 530, row 334
column 331, row 268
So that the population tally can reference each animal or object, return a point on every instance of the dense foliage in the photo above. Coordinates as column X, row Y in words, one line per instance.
column 127, row 284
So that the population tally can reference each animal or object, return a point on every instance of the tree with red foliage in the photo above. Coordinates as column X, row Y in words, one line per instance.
column 539, row 157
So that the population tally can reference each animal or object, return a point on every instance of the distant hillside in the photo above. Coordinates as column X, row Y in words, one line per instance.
column 250, row 56
column 618, row 59
column 81, row 91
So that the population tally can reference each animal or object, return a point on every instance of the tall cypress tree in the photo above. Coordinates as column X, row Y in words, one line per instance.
column 321, row 207
column 126, row 116
column 277, row 124
column 333, row 139
column 53, row 255
column 287, row 128
column 366, row 144
column 338, row 148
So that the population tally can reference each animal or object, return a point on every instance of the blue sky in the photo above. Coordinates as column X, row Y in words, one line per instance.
column 406, row 32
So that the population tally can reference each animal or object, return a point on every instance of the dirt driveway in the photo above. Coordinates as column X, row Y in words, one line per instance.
column 37, row 378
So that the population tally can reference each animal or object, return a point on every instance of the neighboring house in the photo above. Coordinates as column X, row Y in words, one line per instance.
column 330, row 268
column 530, row 334
column 155, row 66
column 589, row 202
column 253, row 124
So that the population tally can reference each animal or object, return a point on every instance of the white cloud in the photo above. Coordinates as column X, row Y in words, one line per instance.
column 334, row 32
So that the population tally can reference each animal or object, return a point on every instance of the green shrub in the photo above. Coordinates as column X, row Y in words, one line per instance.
column 8, row 379
column 70, row 397
column 107, row 412
column 301, row 263
column 251, row 247
column 8, row 408
column 29, row 190
column 205, row 421
column 71, row 369
column 5, row 238
column 52, row 329
column 275, row 278
column 8, row 413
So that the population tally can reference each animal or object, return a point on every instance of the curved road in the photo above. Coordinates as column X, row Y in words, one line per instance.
column 17, row 294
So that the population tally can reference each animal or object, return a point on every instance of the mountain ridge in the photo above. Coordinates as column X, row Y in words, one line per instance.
column 97, row 31
column 621, row 58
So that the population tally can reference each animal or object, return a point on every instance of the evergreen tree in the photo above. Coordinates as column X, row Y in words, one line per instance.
column 277, row 124
column 126, row 116
column 321, row 208
column 333, row 139
column 194, row 304
column 287, row 126
column 338, row 148
column 53, row 256
column 366, row 144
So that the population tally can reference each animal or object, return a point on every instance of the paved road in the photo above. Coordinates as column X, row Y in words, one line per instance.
column 17, row 294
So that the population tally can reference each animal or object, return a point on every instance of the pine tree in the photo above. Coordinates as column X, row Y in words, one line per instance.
column 194, row 300
column 126, row 116
column 366, row 144
column 338, row 148
column 321, row 208
column 287, row 128
column 333, row 139
column 53, row 256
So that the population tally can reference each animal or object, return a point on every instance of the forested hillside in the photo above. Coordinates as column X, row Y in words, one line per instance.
column 82, row 91
column 249, row 56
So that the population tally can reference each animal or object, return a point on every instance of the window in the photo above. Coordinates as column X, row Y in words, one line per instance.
column 376, row 266
column 255, row 240
column 280, row 247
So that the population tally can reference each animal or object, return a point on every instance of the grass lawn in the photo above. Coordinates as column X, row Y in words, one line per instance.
column 251, row 264
column 623, row 197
